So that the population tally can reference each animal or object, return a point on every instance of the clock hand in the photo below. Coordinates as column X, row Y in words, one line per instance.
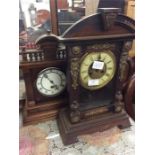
column 45, row 75
column 51, row 81
column 54, row 86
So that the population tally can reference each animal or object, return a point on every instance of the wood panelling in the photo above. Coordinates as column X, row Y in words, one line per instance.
column 130, row 11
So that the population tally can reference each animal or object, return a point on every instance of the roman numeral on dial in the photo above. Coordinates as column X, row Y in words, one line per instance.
column 104, row 76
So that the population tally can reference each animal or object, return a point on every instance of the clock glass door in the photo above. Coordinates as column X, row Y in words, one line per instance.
column 97, row 75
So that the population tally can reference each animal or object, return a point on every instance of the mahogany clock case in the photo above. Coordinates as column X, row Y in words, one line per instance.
column 51, row 55
column 105, row 95
column 96, row 110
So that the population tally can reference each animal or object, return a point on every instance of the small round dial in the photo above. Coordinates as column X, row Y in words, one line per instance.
column 97, row 69
column 51, row 82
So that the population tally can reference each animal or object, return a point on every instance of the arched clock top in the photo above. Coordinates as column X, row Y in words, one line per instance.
column 126, row 21
column 49, row 44
column 105, row 22
column 47, row 38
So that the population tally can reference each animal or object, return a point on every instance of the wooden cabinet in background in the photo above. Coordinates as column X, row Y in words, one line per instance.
column 130, row 12
column 131, row 8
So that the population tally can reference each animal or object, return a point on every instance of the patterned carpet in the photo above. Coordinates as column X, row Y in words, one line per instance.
column 44, row 139
column 33, row 141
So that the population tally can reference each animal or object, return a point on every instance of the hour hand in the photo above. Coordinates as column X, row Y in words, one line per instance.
column 55, row 86
column 45, row 75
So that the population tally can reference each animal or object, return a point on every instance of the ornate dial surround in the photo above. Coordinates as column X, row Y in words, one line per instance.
column 97, row 69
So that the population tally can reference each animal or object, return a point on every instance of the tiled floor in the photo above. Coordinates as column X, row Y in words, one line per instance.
column 123, row 145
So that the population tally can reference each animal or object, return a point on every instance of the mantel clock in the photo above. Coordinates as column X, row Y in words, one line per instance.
column 97, row 50
column 44, row 74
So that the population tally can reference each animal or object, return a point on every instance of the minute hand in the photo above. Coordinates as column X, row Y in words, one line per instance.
column 51, row 81
column 45, row 75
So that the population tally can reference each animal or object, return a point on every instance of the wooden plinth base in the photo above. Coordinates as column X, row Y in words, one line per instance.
column 42, row 112
column 39, row 117
column 69, row 131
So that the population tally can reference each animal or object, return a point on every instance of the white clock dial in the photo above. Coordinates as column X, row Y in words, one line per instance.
column 51, row 82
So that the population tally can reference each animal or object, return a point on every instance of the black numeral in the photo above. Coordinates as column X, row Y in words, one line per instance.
column 84, row 72
column 107, row 74
column 85, row 77
column 86, row 64
column 108, row 62
column 110, row 68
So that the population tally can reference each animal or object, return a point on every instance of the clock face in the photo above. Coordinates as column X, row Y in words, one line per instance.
column 97, row 69
column 51, row 82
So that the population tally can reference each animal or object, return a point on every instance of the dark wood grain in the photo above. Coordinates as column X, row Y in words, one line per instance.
column 38, row 107
column 54, row 16
column 130, row 97
column 70, row 132
column 91, row 111
column 93, row 26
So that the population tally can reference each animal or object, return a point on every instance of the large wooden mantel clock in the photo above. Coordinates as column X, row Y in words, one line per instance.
column 97, row 50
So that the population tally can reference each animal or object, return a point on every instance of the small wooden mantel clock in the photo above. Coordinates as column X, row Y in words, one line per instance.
column 97, row 51
column 44, row 74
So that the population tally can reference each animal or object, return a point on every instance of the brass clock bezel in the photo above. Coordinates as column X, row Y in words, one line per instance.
column 83, row 84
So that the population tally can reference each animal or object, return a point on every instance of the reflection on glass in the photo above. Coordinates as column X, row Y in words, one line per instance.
column 69, row 11
column 35, row 15
column 34, row 19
